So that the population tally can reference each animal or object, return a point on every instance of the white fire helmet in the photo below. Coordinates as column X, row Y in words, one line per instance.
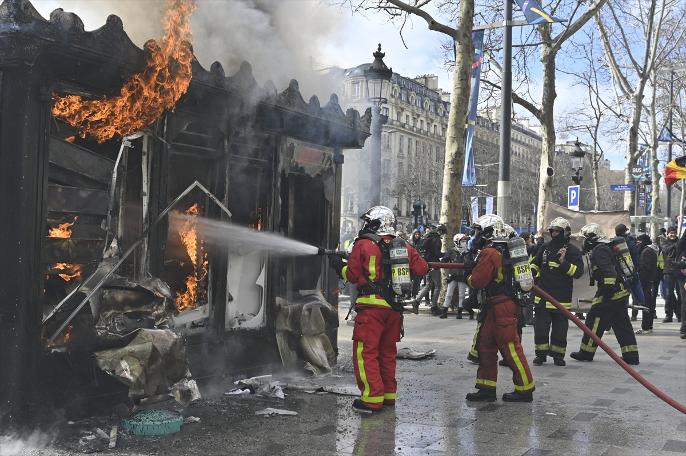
column 459, row 237
column 380, row 220
column 560, row 223
column 591, row 230
column 494, row 221
column 508, row 230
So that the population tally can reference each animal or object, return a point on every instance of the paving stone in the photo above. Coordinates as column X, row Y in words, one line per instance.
column 677, row 446
column 603, row 402
column 537, row 452
column 584, row 416
column 556, row 374
column 666, row 358
column 620, row 390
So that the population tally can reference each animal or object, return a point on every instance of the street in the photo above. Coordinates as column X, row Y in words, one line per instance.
column 581, row 409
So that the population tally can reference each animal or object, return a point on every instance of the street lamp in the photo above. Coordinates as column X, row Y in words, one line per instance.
column 578, row 155
column 378, row 77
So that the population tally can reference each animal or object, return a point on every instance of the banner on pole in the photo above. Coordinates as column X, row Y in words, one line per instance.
column 489, row 205
column 475, row 208
column 469, row 174
column 534, row 14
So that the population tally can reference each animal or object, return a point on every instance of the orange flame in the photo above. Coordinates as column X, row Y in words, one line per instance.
column 145, row 96
column 63, row 230
column 64, row 340
column 195, row 248
column 72, row 271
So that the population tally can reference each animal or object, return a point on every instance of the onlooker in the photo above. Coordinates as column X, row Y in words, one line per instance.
column 433, row 246
column 647, row 270
column 671, row 276
column 456, row 277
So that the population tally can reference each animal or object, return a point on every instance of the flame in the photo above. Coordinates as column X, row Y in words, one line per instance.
column 72, row 271
column 63, row 230
column 64, row 340
column 145, row 96
column 70, row 139
column 195, row 248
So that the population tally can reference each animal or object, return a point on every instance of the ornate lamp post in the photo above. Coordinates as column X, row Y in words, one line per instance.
column 378, row 77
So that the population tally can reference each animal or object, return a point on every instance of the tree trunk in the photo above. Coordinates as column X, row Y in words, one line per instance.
column 654, row 173
column 545, row 185
column 632, row 153
column 596, row 189
column 451, row 198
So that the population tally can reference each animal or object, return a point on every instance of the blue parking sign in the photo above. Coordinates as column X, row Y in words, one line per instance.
column 573, row 192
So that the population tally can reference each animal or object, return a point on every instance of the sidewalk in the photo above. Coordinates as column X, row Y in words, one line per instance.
column 581, row 409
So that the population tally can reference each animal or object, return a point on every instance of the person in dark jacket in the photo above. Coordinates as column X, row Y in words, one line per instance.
column 671, row 276
column 456, row 277
column 636, row 291
column 555, row 267
column 433, row 246
column 647, row 270
column 608, row 307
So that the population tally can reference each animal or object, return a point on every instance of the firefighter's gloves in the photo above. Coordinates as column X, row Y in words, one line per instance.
column 337, row 263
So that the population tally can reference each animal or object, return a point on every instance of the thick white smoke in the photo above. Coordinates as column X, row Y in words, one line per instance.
column 282, row 39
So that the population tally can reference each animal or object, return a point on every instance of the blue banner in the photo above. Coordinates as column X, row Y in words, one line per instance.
column 534, row 14
column 667, row 136
column 469, row 174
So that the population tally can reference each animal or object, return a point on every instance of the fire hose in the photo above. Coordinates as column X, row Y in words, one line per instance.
column 618, row 359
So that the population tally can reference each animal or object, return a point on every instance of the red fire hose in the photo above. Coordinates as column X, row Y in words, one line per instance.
column 618, row 359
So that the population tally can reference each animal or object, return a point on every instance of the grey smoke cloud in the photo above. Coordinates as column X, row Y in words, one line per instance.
column 282, row 39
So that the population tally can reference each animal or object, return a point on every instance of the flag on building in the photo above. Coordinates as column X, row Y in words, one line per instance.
column 475, row 208
column 675, row 170
column 534, row 14
column 469, row 174
column 489, row 205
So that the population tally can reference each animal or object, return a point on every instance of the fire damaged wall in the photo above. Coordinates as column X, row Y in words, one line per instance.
column 105, row 229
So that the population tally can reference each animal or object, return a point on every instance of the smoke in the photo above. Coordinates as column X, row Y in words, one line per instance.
column 281, row 39
column 11, row 445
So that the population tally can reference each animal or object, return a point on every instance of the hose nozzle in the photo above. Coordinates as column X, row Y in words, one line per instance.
column 322, row 251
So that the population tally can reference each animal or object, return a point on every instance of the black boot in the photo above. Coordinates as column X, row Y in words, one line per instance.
column 538, row 360
column 471, row 314
column 473, row 359
column 559, row 362
column 581, row 356
column 444, row 313
column 459, row 313
column 482, row 395
column 632, row 360
column 517, row 396
column 503, row 363
column 435, row 310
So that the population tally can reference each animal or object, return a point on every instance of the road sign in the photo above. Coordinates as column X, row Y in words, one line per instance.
column 623, row 187
column 637, row 172
column 573, row 192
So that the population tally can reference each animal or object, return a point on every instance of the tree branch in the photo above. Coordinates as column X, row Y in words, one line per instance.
column 526, row 104
column 431, row 22
column 574, row 27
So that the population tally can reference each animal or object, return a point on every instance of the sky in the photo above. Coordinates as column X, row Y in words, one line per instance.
column 286, row 39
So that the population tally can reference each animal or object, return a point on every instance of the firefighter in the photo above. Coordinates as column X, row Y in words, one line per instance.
column 555, row 266
column 498, row 318
column 379, row 316
column 647, row 271
column 608, row 307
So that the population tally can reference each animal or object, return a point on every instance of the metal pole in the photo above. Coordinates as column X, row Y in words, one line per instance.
column 669, row 147
column 375, row 166
column 504, row 187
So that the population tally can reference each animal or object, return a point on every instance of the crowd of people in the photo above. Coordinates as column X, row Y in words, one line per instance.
column 388, row 269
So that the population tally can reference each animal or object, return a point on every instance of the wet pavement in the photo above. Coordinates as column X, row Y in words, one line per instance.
column 581, row 409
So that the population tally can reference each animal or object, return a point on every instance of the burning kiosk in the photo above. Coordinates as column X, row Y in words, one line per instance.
column 247, row 153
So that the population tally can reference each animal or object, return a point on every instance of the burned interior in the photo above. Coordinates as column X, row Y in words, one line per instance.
column 105, row 240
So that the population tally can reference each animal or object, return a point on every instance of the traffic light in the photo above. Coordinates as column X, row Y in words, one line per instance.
column 577, row 178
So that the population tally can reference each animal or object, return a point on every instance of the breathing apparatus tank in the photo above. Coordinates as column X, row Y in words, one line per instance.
column 519, row 261
column 623, row 257
column 401, row 282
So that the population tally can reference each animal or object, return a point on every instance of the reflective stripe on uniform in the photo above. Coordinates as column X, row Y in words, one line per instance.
column 629, row 348
column 372, row 300
column 572, row 270
column 609, row 280
column 363, row 377
column 372, row 268
column 474, row 351
column 590, row 347
column 481, row 381
column 392, row 396
column 344, row 272
column 568, row 305
column 526, row 385
column 558, row 349
column 500, row 276
column 553, row 264
column 542, row 347
column 620, row 295
column 536, row 270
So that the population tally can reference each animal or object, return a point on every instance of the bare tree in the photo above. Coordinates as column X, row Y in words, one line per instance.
column 633, row 34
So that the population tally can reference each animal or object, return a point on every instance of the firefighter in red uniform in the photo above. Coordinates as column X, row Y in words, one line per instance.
column 376, row 265
column 498, row 317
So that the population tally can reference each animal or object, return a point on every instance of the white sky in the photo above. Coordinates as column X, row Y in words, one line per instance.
column 350, row 41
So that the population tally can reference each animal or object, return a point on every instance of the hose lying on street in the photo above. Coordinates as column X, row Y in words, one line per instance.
column 618, row 359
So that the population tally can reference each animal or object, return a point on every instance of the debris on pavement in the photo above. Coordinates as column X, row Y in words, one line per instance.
column 191, row 419
column 409, row 353
column 345, row 390
column 185, row 391
column 274, row 412
column 113, row 437
column 261, row 386
column 153, row 422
